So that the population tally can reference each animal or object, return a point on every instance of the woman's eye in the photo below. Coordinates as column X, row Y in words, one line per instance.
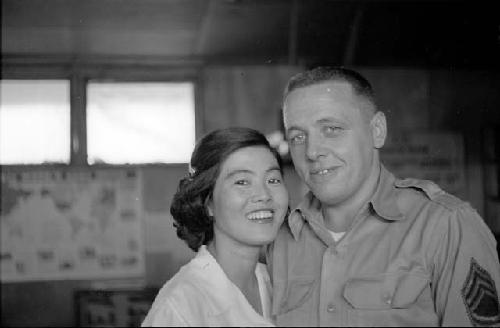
column 241, row 182
column 274, row 181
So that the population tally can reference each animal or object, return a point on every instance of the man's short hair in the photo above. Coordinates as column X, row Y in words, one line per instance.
column 321, row 74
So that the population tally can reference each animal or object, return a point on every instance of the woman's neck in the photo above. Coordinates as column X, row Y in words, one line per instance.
column 238, row 262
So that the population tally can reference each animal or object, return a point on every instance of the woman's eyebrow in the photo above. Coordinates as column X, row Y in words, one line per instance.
column 233, row 173
column 273, row 168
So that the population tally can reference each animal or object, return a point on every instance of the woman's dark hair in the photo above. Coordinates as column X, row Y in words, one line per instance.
column 188, row 208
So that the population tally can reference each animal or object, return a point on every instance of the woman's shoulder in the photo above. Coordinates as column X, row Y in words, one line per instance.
column 184, row 284
column 193, row 281
column 179, row 299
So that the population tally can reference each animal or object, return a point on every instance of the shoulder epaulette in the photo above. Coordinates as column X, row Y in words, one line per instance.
column 432, row 191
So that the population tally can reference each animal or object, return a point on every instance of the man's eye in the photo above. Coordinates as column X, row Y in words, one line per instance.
column 330, row 130
column 297, row 139
column 241, row 182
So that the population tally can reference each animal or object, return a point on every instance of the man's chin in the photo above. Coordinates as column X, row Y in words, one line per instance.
column 329, row 196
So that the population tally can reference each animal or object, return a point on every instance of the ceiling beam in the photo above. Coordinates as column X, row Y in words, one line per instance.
column 292, row 35
column 205, row 27
column 353, row 38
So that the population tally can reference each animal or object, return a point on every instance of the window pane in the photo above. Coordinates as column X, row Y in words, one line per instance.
column 145, row 122
column 34, row 121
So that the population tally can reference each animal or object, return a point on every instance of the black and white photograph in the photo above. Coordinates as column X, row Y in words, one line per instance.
column 250, row 163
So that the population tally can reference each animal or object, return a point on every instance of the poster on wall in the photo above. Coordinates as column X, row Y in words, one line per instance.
column 435, row 156
column 70, row 225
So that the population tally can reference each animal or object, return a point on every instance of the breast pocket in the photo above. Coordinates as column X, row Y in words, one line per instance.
column 296, row 306
column 400, row 298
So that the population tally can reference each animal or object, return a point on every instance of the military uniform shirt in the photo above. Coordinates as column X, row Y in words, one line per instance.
column 413, row 256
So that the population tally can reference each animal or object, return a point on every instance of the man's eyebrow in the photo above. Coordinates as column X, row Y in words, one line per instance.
column 329, row 120
column 292, row 128
column 320, row 121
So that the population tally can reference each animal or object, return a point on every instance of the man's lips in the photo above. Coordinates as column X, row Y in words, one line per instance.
column 323, row 171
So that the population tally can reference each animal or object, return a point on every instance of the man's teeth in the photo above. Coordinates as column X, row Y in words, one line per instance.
column 323, row 172
column 260, row 215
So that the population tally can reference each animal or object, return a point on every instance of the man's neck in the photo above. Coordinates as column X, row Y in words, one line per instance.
column 339, row 217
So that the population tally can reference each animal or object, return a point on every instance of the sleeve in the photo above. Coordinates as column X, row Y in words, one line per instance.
column 466, row 271
column 164, row 316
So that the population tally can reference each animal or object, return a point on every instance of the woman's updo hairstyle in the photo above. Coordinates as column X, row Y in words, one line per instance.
column 189, row 205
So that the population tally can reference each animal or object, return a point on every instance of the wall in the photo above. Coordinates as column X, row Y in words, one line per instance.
column 436, row 100
column 414, row 99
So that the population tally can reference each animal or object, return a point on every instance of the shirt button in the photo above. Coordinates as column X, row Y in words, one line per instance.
column 330, row 308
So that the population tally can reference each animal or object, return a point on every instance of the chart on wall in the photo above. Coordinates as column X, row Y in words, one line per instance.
column 435, row 156
column 70, row 225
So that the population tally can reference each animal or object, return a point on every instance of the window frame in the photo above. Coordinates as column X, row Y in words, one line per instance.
column 80, row 72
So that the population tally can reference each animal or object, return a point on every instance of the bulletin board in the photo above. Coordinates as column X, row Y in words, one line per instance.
column 428, row 155
column 112, row 308
column 69, row 224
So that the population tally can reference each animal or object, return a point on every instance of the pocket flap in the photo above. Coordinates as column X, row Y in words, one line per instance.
column 386, row 291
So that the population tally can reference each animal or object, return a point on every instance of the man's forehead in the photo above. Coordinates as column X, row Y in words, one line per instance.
column 321, row 94
column 339, row 91
column 330, row 86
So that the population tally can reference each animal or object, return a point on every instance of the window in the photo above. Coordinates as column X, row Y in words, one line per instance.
column 34, row 121
column 140, row 122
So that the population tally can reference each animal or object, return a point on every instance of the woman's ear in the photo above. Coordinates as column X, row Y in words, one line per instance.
column 378, row 125
column 209, row 206
column 210, row 211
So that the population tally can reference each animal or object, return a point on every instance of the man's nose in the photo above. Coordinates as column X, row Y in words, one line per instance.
column 314, row 148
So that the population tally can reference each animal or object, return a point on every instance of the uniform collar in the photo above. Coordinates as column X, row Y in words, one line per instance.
column 385, row 199
column 383, row 202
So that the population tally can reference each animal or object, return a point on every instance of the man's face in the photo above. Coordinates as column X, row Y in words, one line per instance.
column 332, row 141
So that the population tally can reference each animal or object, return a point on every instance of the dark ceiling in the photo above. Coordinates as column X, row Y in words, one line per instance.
column 310, row 32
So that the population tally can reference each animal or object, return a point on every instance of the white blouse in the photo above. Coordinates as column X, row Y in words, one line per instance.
column 201, row 294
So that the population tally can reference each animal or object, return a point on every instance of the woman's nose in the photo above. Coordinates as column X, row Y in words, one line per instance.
column 261, row 194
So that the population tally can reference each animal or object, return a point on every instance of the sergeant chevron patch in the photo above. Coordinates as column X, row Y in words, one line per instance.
column 480, row 297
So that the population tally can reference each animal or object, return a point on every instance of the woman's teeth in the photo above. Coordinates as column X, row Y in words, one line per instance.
column 260, row 215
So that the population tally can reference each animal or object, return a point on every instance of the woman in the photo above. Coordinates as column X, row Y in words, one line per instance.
column 231, row 204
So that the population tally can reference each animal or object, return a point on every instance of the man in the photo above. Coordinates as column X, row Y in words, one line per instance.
column 364, row 248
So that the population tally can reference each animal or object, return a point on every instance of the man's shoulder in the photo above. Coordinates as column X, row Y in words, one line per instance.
column 429, row 193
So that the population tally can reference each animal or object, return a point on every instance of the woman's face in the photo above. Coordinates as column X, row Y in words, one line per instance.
column 249, row 201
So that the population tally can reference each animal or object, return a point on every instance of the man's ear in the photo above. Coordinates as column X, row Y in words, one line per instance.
column 378, row 126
